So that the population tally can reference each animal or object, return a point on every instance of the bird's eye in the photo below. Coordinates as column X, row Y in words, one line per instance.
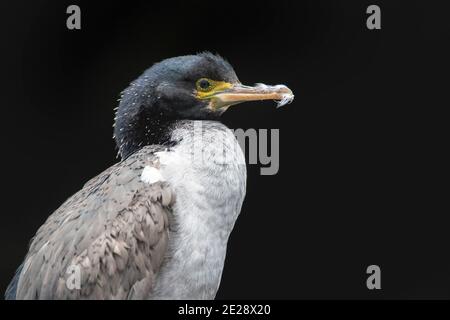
column 204, row 85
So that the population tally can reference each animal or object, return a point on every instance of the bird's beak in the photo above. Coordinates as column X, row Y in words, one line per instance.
column 238, row 93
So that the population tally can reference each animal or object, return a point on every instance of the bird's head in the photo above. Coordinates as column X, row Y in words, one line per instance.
column 194, row 87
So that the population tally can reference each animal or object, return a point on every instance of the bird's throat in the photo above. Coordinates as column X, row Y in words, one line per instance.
column 149, row 131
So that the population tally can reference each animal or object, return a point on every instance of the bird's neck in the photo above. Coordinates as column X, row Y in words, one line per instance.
column 149, row 131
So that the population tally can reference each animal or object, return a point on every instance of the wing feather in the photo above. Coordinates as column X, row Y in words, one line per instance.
column 107, row 241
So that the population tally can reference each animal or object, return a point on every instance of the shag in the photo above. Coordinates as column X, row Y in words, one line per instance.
column 156, row 224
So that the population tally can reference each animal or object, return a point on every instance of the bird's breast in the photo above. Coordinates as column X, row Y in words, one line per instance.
column 208, row 177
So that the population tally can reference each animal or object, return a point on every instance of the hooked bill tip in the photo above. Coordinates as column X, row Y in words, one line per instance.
column 285, row 93
column 286, row 99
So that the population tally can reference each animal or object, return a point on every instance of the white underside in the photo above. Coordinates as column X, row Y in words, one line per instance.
column 209, row 196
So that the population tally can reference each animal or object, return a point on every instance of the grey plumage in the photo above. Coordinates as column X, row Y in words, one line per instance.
column 115, row 230
column 11, row 290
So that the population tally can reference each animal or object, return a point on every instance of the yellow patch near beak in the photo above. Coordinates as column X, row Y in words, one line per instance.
column 215, row 88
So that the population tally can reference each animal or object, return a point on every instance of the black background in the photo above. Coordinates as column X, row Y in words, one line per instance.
column 359, row 182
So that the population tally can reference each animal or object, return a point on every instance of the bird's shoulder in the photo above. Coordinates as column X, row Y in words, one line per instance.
column 113, row 233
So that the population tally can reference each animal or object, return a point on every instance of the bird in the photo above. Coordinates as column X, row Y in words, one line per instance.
column 155, row 225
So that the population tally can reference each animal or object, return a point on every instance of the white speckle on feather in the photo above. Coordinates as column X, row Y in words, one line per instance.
column 151, row 175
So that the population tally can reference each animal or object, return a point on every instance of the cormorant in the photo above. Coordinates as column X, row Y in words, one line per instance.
column 156, row 224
